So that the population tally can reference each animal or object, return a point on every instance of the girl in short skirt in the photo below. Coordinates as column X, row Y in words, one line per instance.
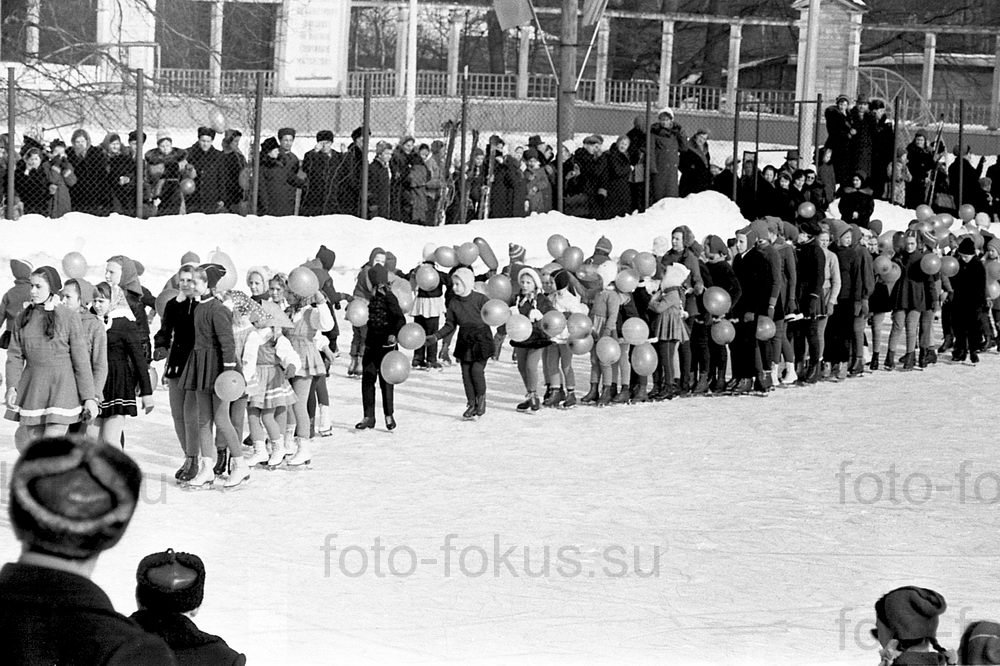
column 270, row 395
column 127, row 369
column 668, row 326
column 50, row 383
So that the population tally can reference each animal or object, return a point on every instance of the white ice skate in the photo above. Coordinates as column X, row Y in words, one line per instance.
column 323, row 426
column 303, row 455
column 205, row 477
column 259, row 455
column 277, row 458
column 239, row 475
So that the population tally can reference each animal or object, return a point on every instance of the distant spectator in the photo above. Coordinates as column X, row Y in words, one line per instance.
column 668, row 144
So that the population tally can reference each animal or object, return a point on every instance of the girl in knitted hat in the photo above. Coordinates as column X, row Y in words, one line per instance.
column 214, row 352
column 475, row 339
column 533, row 304
column 668, row 326
column 243, row 308
column 385, row 318
column 50, row 384
column 78, row 295
column 269, row 394
column 127, row 373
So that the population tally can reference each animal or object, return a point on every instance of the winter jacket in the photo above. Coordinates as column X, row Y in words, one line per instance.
column 810, row 278
column 278, row 182
column 189, row 644
column 615, row 171
column 207, row 193
column 539, row 190
column 856, row 206
column 385, row 318
column 668, row 144
column 969, row 286
column 910, row 291
column 530, row 306
column 724, row 278
column 696, row 171
column 91, row 192
column 379, row 190
column 175, row 338
column 322, row 171
column 475, row 338
column 759, row 280
column 32, row 188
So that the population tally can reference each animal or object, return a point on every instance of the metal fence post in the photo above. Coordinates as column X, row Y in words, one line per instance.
column 257, row 122
column 366, row 122
column 819, row 114
column 559, row 150
column 11, row 152
column 463, row 166
column 736, row 144
column 140, row 95
column 647, row 157
column 961, row 152
column 895, row 147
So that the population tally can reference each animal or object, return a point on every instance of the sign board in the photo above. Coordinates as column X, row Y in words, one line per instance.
column 312, row 47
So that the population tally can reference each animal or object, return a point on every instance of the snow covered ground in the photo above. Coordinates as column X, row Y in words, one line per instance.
column 711, row 530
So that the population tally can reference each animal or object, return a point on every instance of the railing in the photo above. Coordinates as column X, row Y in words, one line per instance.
column 975, row 114
column 383, row 83
column 236, row 81
column 199, row 81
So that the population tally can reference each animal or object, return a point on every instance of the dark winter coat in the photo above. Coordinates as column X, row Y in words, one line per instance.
column 232, row 184
column 838, row 139
column 121, row 167
column 724, row 278
column 538, row 185
column 379, row 190
column 668, row 144
column 208, row 180
column 55, row 617
column 176, row 335
column 278, row 181
column 971, row 192
column 969, row 286
column 348, row 179
column 615, row 171
column 696, row 171
column 190, row 645
column 507, row 194
column 883, row 152
column 910, row 291
column 525, row 304
column 32, row 188
column 475, row 338
column 164, row 173
column 758, row 278
column 319, row 195
column 789, row 276
column 385, row 318
column 91, row 193
column 810, row 272
column 863, row 142
column 854, row 201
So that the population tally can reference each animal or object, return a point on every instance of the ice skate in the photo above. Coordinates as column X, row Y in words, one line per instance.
column 470, row 412
column 390, row 422
column 239, row 474
column 323, row 426
column 188, row 470
column 222, row 457
column 259, row 455
column 303, row 454
column 205, row 477
column 277, row 458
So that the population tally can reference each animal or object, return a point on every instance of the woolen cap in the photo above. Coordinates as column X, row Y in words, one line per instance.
column 967, row 246
column 214, row 272
column 516, row 252
column 911, row 612
column 980, row 644
column 324, row 135
column 51, row 276
column 72, row 497
column 603, row 245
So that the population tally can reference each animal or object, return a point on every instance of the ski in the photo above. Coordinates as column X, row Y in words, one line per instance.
column 447, row 193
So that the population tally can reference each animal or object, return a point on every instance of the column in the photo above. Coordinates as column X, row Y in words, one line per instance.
column 666, row 62
column 601, row 63
column 523, row 53
column 853, row 55
column 215, row 50
column 733, row 80
column 927, row 76
column 32, row 16
column 402, row 29
column 995, row 99
column 454, row 52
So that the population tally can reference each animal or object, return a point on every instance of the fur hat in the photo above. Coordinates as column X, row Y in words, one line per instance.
column 163, row 134
column 170, row 582
column 911, row 612
column 665, row 110
column 324, row 135
column 967, row 246
column 464, row 277
column 533, row 274
column 516, row 252
column 215, row 272
column 21, row 268
column 190, row 257
column 51, row 276
column 286, row 131
column 133, row 136
column 603, row 246
column 72, row 497
column 327, row 257
column 206, row 131
column 270, row 143
column 980, row 644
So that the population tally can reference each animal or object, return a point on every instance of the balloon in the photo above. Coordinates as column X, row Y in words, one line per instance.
column 495, row 312
column 187, row 186
column 983, row 220
column 486, row 253
column 930, row 264
column 807, row 210
column 553, row 323
column 572, row 258
column 765, row 328
column 967, row 212
column 228, row 281
column 427, row 254
column 518, row 328
column 74, row 265
column 582, row 346
column 948, row 219
column 723, row 332
column 499, row 287
column 427, row 277
column 161, row 300
column 882, row 264
column 924, row 227
column 230, row 385
column 924, row 212
column 579, row 326
column 644, row 359
column 895, row 272
column 217, row 121
column 608, row 351
column 467, row 253
column 480, row 288
column 628, row 257
column 411, row 336
column 635, row 331
column 949, row 266
column 993, row 270
column 556, row 245
column 627, row 281
column 717, row 301
column 446, row 256
column 645, row 264
column 993, row 290
column 395, row 367
column 303, row 282
column 404, row 295
column 357, row 312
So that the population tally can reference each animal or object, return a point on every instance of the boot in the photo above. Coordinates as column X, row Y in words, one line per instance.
column 187, row 470
column 640, row 394
column 657, row 393
column 790, row 375
column 874, row 363
column 290, row 443
column 221, row 462
column 605, row 398
column 765, row 381
column 743, row 386
column 529, row 400
column 354, row 364
column 733, row 384
column 303, row 456
column 323, row 426
column 366, row 423
column 239, row 473
column 614, row 391
column 277, row 455
column 259, row 454
column 205, row 476
column 555, row 398
column 622, row 398
column 948, row 343
column 480, row 405
column 974, row 357
column 812, row 374
column 841, row 372
column 390, row 422
column 719, row 385
column 470, row 411
column 930, row 356
column 701, row 387
column 569, row 402
column 890, row 363
column 909, row 361
column 857, row 368
column 922, row 357
column 592, row 395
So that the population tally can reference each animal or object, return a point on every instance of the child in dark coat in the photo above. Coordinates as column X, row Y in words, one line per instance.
column 385, row 318
column 967, row 302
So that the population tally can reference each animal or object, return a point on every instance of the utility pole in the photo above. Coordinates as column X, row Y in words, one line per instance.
column 808, row 112
column 567, row 68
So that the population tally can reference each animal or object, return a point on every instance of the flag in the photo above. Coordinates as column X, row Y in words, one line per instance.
column 593, row 11
column 512, row 13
